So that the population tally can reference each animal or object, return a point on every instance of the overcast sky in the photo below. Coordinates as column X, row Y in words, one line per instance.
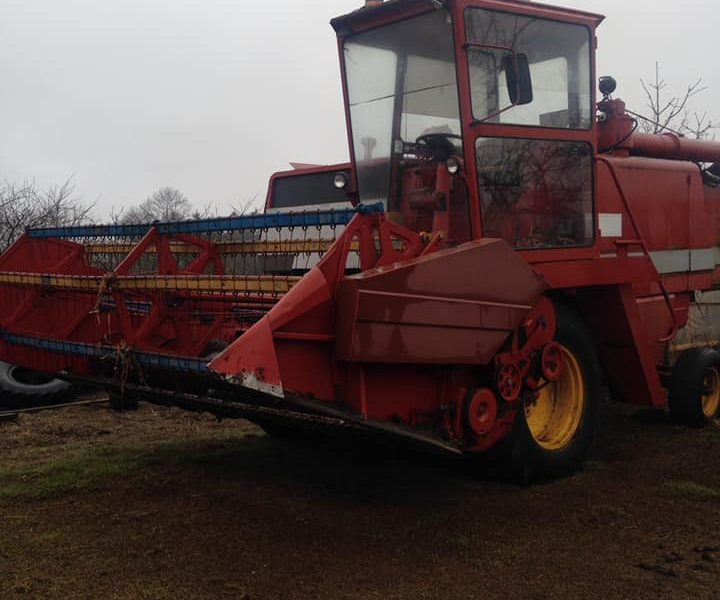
column 212, row 96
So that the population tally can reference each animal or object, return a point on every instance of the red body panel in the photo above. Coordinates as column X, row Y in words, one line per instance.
column 450, row 307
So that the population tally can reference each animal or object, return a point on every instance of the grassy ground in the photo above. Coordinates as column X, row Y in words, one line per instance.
column 161, row 504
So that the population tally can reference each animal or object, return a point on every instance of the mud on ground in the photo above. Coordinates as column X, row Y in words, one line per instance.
column 161, row 504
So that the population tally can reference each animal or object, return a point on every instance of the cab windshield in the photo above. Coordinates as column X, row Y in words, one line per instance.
column 403, row 96
column 558, row 55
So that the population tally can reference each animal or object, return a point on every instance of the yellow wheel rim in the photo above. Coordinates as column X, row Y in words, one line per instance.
column 711, row 399
column 556, row 415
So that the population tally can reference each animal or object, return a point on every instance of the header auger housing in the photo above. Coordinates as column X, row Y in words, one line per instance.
column 508, row 242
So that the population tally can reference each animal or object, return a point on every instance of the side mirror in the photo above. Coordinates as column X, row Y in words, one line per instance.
column 518, row 78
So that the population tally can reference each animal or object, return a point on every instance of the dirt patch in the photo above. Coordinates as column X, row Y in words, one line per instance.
column 164, row 504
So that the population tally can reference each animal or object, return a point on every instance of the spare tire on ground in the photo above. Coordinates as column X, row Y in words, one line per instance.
column 19, row 385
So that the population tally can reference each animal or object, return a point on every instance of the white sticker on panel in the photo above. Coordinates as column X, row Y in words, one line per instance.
column 611, row 225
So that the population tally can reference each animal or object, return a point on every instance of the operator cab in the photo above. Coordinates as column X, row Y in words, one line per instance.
column 405, row 118
column 472, row 120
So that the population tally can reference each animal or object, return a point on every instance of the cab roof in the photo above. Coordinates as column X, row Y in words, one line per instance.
column 393, row 10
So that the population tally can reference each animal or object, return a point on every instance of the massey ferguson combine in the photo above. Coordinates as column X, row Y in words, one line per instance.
column 512, row 244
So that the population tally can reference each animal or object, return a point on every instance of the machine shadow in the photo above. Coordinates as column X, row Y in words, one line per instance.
column 365, row 473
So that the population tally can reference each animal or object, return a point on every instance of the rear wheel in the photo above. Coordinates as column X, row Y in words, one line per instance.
column 694, row 393
column 554, row 432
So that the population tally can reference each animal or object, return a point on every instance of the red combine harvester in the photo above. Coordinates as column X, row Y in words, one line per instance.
column 511, row 244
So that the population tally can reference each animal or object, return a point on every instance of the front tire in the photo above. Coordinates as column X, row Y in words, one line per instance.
column 554, row 432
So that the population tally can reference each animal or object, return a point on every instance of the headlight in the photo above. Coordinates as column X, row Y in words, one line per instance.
column 453, row 165
column 340, row 181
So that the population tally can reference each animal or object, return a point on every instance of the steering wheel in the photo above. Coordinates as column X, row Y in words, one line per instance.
column 439, row 144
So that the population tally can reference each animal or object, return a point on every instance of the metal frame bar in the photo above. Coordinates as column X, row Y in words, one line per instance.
column 241, row 223
column 148, row 359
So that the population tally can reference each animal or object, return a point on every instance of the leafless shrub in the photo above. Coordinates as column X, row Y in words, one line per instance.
column 246, row 207
column 672, row 112
column 26, row 206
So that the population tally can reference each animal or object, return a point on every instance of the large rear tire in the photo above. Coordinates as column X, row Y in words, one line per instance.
column 554, row 433
column 694, row 393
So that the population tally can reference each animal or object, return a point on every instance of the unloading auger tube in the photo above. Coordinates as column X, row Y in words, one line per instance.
column 618, row 134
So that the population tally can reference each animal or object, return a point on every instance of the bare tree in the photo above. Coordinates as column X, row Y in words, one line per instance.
column 672, row 112
column 167, row 204
column 26, row 205
column 246, row 207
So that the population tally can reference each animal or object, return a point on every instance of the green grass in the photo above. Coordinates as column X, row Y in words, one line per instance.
column 691, row 491
column 90, row 469
column 81, row 471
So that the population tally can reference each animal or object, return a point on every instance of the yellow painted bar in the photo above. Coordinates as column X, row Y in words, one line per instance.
column 207, row 283
column 52, row 281
column 170, row 283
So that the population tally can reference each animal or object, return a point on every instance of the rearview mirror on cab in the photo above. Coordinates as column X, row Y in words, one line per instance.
column 518, row 78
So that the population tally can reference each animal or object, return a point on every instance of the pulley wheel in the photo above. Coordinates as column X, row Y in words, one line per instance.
column 482, row 412
column 509, row 383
